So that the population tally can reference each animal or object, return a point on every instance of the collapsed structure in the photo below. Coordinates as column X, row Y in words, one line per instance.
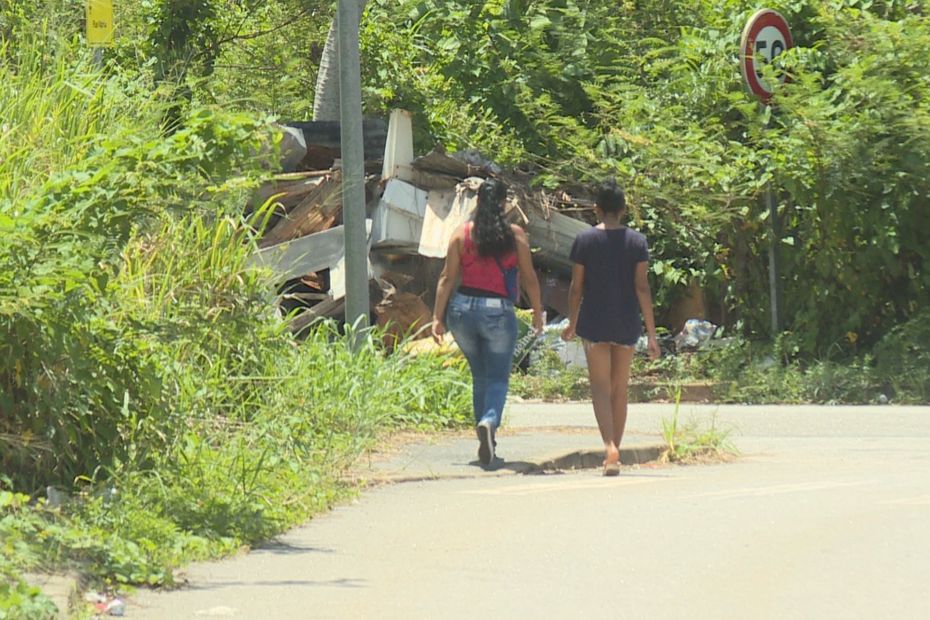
column 413, row 206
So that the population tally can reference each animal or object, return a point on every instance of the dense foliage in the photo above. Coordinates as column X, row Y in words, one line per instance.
column 654, row 95
column 145, row 376
column 141, row 368
column 649, row 92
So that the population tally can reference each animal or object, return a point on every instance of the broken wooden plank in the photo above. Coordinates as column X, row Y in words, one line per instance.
column 304, row 255
column 288, row 192
column 325, row 309
column 437, row 161
column 402, row 315
column 467, row 163
column 553, row 238
column 424, row 179
column 317, row 211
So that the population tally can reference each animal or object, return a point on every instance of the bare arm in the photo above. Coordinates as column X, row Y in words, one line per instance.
column 447, row 280
column 528, row 278
column 574, row 300
column 644, row 295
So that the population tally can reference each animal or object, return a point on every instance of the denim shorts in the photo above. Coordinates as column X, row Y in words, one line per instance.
column 589, row 343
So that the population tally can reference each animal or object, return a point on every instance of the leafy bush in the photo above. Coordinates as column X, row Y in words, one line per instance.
column 550, row 379
column 581, row 90
column 18, row 599
column 145, row 371
column 903, row 359
column 71, row 374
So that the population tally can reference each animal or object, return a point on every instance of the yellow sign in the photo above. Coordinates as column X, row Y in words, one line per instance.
column 99, row 22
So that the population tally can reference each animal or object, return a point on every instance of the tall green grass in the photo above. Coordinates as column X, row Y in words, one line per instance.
column 143, row 368
column 86, row 168
column 253, row 430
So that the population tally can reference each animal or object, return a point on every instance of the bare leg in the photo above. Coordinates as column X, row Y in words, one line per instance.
column 621, row 358
column 598, row 357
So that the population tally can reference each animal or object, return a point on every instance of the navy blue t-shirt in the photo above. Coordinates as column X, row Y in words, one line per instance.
column 609, row 308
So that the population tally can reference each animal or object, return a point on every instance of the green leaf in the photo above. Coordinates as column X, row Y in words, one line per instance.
column 540, row 22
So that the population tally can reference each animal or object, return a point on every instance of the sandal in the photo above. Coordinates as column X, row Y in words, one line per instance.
column 612, row 469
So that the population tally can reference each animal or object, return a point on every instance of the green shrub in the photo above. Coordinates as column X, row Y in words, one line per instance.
column 579, row 90
column 144, row 370
column 903, row 359
column 84, row 166
column 550, row 379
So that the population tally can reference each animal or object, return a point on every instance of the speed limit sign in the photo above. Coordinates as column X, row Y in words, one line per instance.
column 765, row 36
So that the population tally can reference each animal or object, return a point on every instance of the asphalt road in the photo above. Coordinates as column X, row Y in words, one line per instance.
column 825, row 515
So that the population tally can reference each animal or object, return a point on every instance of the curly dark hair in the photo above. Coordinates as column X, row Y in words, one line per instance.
column 491, row 234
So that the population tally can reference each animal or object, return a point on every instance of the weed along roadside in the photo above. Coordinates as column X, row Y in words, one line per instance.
column 156, row 409
column 227, row 486
column 743, row 372
column 176, row 382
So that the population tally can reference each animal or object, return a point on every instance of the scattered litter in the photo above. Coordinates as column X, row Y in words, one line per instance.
column 570, row 353
column 666, row 344
column 767, row 362
column 105, row 604
column 694, row 334
column 116, row 607
column 56, row 498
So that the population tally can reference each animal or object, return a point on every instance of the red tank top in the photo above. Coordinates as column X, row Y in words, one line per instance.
column 483, row 272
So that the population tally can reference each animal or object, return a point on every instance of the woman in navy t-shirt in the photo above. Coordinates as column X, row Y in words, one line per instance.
column 610, row 287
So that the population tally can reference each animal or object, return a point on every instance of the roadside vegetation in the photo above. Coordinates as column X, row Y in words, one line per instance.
column 155, row 409
column 742, row 371
column 690, row 441
column 693, row 441
column 897, row 371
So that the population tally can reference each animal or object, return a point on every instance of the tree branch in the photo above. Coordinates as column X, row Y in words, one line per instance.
column 261, row 33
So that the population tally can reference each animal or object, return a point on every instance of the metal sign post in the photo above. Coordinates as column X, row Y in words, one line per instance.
column 353, row 164
column 765, row 36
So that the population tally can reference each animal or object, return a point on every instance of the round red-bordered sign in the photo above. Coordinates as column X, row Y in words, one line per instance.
column 765, row 36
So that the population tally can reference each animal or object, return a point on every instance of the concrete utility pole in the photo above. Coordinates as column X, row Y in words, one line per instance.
column 353, row 164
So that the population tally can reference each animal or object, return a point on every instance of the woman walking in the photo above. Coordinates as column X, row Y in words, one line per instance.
column 486, row 254
column 609, row 289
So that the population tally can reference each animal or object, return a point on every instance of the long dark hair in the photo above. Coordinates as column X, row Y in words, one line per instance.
column 492, row 235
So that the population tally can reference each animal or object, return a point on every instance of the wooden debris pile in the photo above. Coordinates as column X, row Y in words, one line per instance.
column 413, row 207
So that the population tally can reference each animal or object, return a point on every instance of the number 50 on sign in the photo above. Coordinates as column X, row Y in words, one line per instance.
column 765, row 37
column 99, row 22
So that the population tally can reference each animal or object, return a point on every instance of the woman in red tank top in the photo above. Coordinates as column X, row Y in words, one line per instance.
column 484, row 255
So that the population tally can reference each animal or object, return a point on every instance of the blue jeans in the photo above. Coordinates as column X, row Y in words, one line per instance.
column 485, row 328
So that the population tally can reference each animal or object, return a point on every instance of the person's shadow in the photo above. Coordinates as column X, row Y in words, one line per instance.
column 519, row 467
